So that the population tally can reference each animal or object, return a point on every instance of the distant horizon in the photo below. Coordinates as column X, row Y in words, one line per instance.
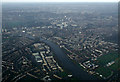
column 49, row 1
column 59, row 2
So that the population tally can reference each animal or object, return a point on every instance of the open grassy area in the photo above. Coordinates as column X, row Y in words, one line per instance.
column 63, row 74
column 116, row 65
column 104, row 71
column 105, row 59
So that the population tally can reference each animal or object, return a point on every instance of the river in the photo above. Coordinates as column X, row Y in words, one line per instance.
column 67, row 63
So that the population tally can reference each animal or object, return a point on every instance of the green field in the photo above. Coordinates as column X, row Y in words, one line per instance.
column 63, row 74
column 116, row 65
column 105, row 59
column 104, row 71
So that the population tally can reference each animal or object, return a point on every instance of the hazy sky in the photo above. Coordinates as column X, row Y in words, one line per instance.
column 60, row 0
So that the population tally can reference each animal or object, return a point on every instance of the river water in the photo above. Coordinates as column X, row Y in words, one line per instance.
column 67, row 63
